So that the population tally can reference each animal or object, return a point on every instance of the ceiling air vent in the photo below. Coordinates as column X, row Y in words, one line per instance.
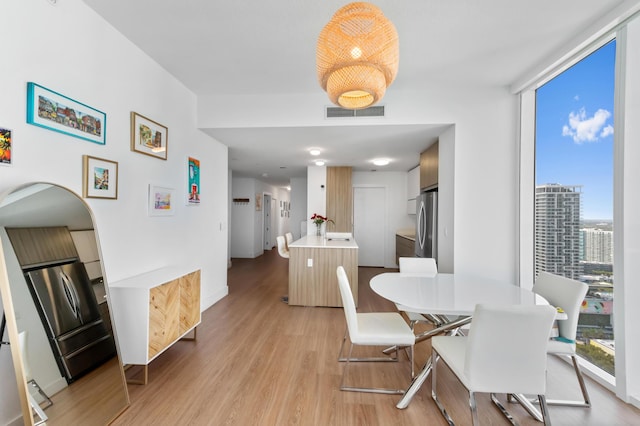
column 337, row 112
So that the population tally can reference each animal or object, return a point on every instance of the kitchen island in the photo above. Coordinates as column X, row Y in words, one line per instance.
column 312, row 270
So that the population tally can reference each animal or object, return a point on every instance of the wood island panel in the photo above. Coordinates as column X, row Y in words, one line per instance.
column 318, row 285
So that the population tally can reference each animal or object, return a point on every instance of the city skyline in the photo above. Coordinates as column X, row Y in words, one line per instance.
column 574, row 131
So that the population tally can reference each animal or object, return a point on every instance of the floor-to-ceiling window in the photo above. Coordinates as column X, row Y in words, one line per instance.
column 573, row 196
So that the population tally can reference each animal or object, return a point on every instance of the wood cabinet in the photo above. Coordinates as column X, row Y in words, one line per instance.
column 429, row 167
column 154, row 310
column 41, row 246
column 405, row 247
column 339, row 198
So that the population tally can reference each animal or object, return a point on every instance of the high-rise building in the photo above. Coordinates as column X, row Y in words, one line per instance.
column 557, row 229
column 598, row 245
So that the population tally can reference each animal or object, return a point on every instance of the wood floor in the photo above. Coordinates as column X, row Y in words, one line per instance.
column 258, row 361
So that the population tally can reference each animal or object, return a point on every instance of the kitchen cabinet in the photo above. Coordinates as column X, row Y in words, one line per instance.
column 339, row 199
column 405, row 247
column 429, row 168
column 413, row 189
column 152, row 311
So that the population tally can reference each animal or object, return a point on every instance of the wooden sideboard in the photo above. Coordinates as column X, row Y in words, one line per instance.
column 312, row 271
column 152, row 311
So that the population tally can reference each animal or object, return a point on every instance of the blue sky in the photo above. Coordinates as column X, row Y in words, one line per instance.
column 574, row 131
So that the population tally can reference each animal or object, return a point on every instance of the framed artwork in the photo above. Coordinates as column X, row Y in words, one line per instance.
column 258, row 202
column 193, row 185
column 5, row 146
column 100, row 178
column 53, row 111
column 161, row 201
column 148, row 137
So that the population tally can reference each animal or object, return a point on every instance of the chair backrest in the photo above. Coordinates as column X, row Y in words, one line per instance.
column 418, row 265
column 282, row 250
column 22, row 340
column 289, row 238
column 507, row 348
column 348, row 303
column 564, row 293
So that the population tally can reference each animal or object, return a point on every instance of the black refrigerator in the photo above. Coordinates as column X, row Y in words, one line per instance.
column 427, row 225
column 69, row 312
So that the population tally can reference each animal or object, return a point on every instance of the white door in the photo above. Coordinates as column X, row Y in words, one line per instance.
column 369, row 224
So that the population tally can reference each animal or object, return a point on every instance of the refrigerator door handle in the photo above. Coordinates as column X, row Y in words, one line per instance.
column 71, row 296
column 422, row 225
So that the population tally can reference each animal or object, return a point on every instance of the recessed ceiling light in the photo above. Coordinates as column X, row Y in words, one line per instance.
column 319, row 163
column 314, row 152
column 381, row 161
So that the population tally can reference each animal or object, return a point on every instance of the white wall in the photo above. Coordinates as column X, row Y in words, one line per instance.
column 395, row 185
column 298, row 206
column 71, row 50
column 242, row 218
column 247, row 223
column 627, row 236
column 484, row 157
column 316, row 194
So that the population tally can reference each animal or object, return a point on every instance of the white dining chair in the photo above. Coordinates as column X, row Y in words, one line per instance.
column 283, row 251
column 288, row 238
column 505, row 352
column 567, row 294
column 23, row 342
column 421, row 266
column 370, row 329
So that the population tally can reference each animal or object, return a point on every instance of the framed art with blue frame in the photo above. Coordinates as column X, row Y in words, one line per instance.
column 193, row 185
column 53, row 111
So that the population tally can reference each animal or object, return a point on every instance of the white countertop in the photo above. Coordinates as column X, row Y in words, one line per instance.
column 314, row 241
column 152, row 278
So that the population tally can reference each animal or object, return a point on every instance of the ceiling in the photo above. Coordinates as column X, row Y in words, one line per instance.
column 226, row 47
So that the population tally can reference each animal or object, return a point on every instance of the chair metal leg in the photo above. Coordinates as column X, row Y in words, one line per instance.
column 434, row 394
column 39, row 411
column 583, row 387
column 474, row 409
column 544, row 410
column 504, row 411
column 35, row 384
column 350, row 358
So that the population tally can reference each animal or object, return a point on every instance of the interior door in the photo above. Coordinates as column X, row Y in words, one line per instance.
column 369, row 224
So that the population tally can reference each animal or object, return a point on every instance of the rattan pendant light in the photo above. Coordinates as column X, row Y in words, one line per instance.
column 357, row 56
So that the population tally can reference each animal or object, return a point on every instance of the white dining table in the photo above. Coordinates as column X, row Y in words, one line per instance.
column 448, row 295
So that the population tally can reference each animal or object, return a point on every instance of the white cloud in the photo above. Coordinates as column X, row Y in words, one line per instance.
column 576, row 98
column 582, row 128
column 608, row 130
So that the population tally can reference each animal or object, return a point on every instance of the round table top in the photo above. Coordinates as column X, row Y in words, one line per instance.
column 448, row 294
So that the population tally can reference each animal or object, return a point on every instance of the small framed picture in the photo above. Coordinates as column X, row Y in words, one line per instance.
column 161, row 200
column 100, row 178
column 193, row 184
column 258, row 202
column 53, row 111
column 5, row 146
column 148, row 137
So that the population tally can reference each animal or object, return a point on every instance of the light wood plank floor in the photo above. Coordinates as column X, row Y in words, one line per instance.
column 258, row 361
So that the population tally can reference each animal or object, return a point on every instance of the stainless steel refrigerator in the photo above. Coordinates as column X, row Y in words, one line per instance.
column 427, row 225
column 69, row 312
